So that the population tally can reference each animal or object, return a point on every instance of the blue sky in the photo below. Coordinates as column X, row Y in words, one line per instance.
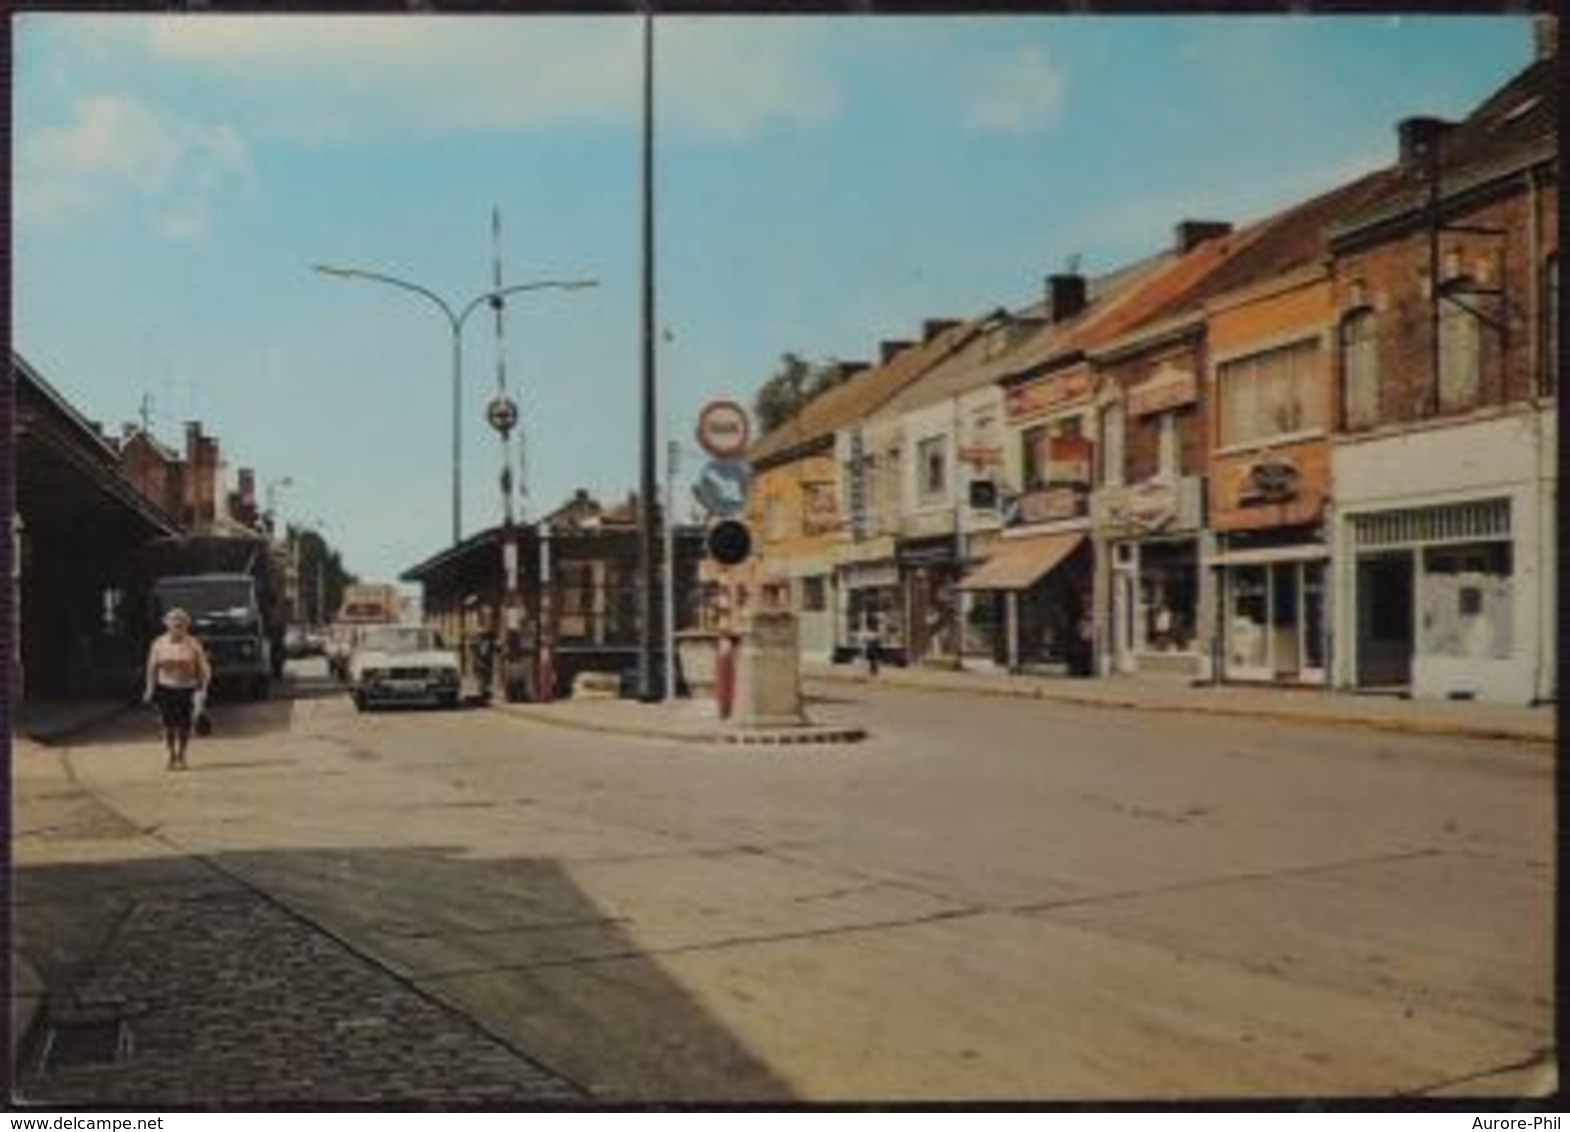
column 823, row 183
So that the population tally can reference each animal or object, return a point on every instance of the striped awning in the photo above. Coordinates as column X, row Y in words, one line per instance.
column 1018, row 564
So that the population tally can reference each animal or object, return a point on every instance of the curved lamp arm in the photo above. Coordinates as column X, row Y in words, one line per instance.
column 391, row 281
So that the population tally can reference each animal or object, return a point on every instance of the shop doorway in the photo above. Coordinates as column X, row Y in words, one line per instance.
column 1275, row 622
column 1384, row 620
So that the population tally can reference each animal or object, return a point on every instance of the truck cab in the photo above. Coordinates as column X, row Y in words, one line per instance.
column 226, row 616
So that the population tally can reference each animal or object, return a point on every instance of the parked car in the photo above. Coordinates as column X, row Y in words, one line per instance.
column 402, row 664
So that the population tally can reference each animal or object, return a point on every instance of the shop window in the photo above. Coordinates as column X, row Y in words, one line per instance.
column 1466, row 596
column 1273, row 393
column 1036, row 449
column 1248, row 617
column 1460, row 350
column 932, row 468
column 1033, row 457
column 814, row 594
column 1359, row 370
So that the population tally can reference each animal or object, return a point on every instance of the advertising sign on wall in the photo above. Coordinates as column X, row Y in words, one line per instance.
column 1069, row 460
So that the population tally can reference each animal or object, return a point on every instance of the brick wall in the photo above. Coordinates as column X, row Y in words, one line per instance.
column 1391, row 279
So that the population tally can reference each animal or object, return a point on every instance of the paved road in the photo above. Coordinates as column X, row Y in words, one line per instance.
column 989, row 899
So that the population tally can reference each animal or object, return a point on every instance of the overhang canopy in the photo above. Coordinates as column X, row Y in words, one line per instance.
column 1019, row 564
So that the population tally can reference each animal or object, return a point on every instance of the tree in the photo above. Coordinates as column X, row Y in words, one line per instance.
column 321, row 577
column 794, row 385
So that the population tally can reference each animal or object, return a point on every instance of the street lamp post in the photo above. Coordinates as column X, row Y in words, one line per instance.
column 455, row 321
column 648, row 457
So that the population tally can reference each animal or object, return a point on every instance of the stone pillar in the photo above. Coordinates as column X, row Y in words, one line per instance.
column 768, row 676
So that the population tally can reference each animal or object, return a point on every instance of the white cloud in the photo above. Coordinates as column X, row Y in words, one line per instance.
column 116, row 147
column 338, row 78
column 1020, row 94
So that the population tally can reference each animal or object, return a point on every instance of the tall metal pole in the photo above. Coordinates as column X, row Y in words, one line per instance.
column 1435, row 354
column 647, row 691
column 672, row 456
column 457, row 429
column 505, row 417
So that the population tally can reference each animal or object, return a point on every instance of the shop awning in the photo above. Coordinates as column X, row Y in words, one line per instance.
column 1019, row 564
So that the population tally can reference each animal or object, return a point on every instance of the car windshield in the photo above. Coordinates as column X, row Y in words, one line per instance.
column 399, row 638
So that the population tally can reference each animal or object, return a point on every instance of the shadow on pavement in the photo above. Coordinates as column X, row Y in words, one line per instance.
column 409, row 976
column 232, row 715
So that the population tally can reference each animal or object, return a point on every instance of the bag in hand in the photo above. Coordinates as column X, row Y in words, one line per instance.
column 204, row 722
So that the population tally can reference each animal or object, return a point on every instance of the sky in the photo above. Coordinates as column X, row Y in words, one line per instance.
column 821, row 184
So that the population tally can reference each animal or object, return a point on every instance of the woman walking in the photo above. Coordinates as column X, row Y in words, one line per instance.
column 177, row 672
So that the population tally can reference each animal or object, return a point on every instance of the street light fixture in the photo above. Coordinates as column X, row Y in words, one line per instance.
column 273, row 487
column 455, row 321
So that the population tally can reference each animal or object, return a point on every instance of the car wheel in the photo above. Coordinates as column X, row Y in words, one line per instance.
column 359, row 702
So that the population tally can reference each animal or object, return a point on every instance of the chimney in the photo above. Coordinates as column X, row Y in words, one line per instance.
column 1189, row 234
column 127, row 431
column 1418, row 136
column 247, row 488
column 932, row 327
column 1545, row 36
column 889, row 347
column 1065, row 296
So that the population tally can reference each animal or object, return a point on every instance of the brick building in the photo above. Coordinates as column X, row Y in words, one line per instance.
column 1446, row 296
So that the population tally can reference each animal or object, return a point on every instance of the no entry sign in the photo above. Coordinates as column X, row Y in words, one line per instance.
column 724, row 429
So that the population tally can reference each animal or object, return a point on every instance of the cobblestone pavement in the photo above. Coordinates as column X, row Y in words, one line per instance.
column 231, row 1002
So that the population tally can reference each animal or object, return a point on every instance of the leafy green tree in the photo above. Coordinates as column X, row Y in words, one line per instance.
column 794, row 385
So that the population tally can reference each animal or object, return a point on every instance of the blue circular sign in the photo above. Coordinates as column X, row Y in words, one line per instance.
column 722, row 487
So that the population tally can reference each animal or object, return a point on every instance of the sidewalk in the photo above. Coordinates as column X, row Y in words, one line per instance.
column 34, row 724
column 1174, row 694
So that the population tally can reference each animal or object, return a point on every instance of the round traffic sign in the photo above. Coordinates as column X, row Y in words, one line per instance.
column 724, row 429
column 722, row 486
column 502, row 413
column 729, row 542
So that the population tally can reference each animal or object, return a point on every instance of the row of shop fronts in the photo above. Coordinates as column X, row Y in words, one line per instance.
column 1432, row 587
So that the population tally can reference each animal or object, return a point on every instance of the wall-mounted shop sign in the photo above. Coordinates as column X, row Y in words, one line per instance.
column 1148, row 506
column 1168, row 388
column 1049, row 504
column 856, row 484
column 1031, row 398
column 1270, row 479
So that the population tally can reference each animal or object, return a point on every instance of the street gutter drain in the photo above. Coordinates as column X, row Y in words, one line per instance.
column 85, row 1043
